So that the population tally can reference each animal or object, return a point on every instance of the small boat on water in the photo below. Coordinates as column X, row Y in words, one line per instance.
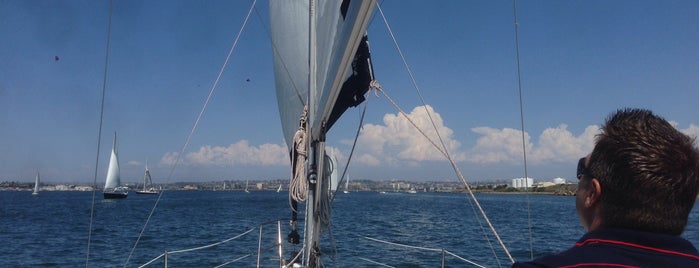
column 148, row 184
column 112, row 185
column 36, row 184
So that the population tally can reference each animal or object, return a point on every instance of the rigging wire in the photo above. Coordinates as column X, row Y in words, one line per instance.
column 524, row 144
column 99, row 134
column 194, row 127
column 453, row 164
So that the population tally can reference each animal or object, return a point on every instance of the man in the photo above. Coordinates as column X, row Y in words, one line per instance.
column 635, row 192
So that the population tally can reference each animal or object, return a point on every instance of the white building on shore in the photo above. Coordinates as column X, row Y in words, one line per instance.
column 522, row 183
column 559, row 180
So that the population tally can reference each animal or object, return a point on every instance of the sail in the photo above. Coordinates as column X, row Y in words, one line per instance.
column 334, row 170
column 147, row 182
column 340, row 26
column 113, row 177
column 315, row 43
column 36, row 184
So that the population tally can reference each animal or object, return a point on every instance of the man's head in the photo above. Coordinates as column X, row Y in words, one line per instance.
column 643, row 174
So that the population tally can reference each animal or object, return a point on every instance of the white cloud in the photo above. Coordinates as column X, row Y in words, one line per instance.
column 240, row 153
column 397, row 143
column 397, row 140
column 134, row 163
column 560, row 145
column 498, row 146
column 692, row 131
column 554, row 145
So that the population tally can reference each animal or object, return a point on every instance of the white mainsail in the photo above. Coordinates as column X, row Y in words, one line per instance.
column 36, row 184
column 334, row 170
column 314, row 47
column 330, row 54
column 113, row 178
column 347, row 184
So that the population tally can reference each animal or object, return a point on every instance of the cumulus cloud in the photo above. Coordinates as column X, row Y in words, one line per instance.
column 560, row 145
column 498, row 145
column 692, row 131
column 397, row 140
column 554, row 145
column 240, row 153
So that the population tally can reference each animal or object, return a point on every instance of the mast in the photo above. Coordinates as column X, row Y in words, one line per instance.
column 311, row 235
column 320, row 40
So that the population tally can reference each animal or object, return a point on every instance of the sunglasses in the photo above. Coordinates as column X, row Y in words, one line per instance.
column 583, row 170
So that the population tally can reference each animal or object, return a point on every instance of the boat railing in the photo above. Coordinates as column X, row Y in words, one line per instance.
column 279, row 247
column 443, row 251
column 278, row 244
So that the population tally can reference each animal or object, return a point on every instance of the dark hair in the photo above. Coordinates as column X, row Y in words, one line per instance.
column 648, row 172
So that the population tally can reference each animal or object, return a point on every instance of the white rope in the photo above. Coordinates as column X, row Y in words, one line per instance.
column 298, row 254
column 443, row 148
column 151, row 261
column 236, row 260
column 298, row 189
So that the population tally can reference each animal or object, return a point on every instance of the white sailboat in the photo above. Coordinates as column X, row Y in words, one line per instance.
column 347, row 185
column 280, row 188
column 246, row 187
column 334, row 171
column 36, row 184
column 148, row 183
column 112, row 185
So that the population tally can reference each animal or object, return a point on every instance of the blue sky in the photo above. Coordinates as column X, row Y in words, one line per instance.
column 580, row 60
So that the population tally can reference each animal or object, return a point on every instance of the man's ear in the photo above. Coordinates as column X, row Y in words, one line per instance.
column 594, row 193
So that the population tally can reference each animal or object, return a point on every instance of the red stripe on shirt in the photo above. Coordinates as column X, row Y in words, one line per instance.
column 615, row 242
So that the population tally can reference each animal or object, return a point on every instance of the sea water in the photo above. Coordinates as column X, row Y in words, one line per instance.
column 53, row 229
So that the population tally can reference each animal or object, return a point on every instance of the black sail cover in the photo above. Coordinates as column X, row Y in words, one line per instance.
column 356, row 86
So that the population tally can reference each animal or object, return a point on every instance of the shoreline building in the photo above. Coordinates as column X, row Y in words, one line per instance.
column 522, row 183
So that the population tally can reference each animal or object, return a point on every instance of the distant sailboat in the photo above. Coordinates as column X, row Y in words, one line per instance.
column 112, row 185
column 246, row 187
column 346, row 185
column 148, row 183
column 334, row 170
column 36, row 184
column 280, row 188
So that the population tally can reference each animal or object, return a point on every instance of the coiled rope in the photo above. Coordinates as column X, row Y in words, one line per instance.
column 298, row 189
